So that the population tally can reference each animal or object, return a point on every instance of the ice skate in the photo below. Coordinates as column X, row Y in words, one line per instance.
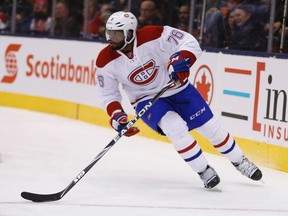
column 249, row 169
column 209, row 177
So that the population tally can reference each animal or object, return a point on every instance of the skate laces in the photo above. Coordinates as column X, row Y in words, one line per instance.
column 208, row 175
column 246, row 167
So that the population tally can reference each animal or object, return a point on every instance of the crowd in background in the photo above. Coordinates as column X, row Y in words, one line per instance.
column 231, row 24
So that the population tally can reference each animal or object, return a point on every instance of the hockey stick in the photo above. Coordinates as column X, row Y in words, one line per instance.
column 57, row 196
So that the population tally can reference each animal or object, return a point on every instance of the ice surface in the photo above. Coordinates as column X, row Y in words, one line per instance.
column 43, row 153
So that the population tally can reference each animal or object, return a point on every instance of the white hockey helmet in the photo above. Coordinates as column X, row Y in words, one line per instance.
column 124, row 21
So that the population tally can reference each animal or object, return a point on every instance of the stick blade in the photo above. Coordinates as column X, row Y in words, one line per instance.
column 41, row 197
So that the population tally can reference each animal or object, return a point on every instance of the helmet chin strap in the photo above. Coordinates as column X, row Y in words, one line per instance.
column 127, row 42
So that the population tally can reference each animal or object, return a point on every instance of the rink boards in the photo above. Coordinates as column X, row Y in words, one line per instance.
column 248, row 94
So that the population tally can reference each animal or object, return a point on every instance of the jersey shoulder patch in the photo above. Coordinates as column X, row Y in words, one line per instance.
column 148, row 33
column 105, row 56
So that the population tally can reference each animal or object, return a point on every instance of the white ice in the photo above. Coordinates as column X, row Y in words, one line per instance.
column 43, row 153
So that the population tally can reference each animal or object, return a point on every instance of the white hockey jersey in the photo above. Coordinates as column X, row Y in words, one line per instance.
column 144, row 73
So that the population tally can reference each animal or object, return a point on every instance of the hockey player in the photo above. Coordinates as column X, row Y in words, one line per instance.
column 143, row 61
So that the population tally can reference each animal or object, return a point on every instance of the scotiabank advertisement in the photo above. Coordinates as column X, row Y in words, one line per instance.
column 248, row 94
column 50, row 68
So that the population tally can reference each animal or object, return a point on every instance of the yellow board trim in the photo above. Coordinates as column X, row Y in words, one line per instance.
column 268, row 155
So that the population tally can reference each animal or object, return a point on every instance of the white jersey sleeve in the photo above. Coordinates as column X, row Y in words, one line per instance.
column 110, row 84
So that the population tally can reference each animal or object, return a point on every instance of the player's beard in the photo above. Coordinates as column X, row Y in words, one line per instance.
column 118, row 46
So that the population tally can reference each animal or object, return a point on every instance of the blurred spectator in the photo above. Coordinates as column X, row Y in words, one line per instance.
column 102, row 27
column 231, row 4
column 278, row 18
column 106, row 9
column 277, row 28
column 249, row 33
column 94, row 19
column 65, row 24
column 214, row 33
column 37, row 23
column 41, row 22
column 76, row 9
column 148, row 14
column 183, row 18
column 167, row 11
column 3, row 21
column 230, row 24
column 23, row 14
column 3, row 16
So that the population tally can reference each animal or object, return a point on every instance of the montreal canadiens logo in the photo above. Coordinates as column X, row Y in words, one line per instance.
column 144, row 74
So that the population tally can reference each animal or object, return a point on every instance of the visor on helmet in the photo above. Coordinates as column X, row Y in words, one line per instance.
column 114, row 35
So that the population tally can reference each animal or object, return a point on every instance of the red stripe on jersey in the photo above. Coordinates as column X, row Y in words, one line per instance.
column 148, row 33
column 115, row 105
column 105, row 56
column 188, row 148
column 222, row 143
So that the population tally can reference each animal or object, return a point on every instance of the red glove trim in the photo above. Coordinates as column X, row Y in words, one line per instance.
column 115, row 105
column 132, row 131
column 189, row 55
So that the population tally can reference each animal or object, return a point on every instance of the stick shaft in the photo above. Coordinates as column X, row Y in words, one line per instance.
column 57, row 196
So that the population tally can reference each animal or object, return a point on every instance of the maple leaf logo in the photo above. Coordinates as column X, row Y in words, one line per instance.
column 203, row 82
column 203, row 87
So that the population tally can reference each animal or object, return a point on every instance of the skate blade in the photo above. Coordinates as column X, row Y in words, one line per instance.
column 262, row 181
column 217, row 188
